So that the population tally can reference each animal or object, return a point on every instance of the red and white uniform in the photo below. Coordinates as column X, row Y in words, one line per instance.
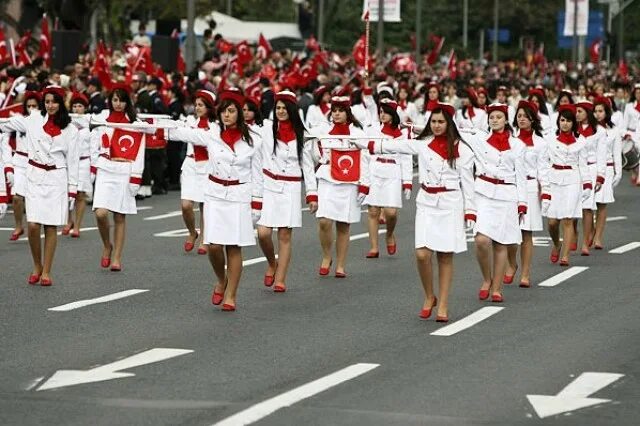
column 408, row 112
column 194, row 176
column 18, row 162
column 596, row 148
column 337, row 199
column 230, row 191
column 471, row 118
column 389, row 174
column 534, row 166
column 117, row 159
column 565, row 175
column 446, row 195
column 83, row 140
column 318, row 116
column 52, row 167
column 500, row 185
column 613, row 148
column 5, row 167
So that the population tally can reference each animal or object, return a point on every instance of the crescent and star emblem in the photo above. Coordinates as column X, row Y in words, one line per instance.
column 124, row 147
column 349, row 160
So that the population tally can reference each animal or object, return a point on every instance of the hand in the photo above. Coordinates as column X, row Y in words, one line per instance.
column 313, row 206
column 521, row 218
column 92, row 177
column 72, row 203
column 255, row 215
column 545, row 207
column 407, row 193
column 10, row 179
column 361, row 197
column 469, row 224
column 586, row 193
column 3, row 210
column 598, row 187
column 616, row 179
column 133, row 189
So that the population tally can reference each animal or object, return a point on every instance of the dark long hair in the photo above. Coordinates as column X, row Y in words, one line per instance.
column 24, row 104
column 533, row 117
column 298, row 127
column 507, row 126
column 124, row 96
column 351, row 119
column 591, row 119
column 568, row 115
column 452, row 134
column 560, row 96
column 240, row 123
column 257, row 114
column 211, row 110
column 474, row 103
column 607, row 113
column 542, row 105
column 395, row 118
column 61, row 118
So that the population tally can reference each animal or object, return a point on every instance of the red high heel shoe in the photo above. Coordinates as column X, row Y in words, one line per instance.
column 33, row 279
column 202, row 250
column 442, row 318
column 584, row 252
column 189, row 245
column 116, row 268
column 227, row 307
column 268, row 280
column 106, row 261
column 483, row 294
column 216, row 298
column 391, row 249
column 564, row 262
column 373, row 255
column 341, row 274
column 279, row 288
column 555, row 255
column 325, row 271
column 426, row 313
column 574, row 247
column 525, row 284
column 382, row 221
column 497, row 298
column 75, row 234
column 46, row 282
column 508, row 279
column 67, row 229
column 15, row 235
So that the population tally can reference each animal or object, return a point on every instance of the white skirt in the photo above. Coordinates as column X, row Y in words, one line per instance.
column 605, row 195
column 192, row 186
column 19, row 181
column 441, row 228
column 566, row 201
column 84, row 177
column 229, row 223
column 384, row 192
column 282, row 209
column 338, row 201
column 498, row 220
column 590, row 203
column 112, row 191
column 533, row 217
column 47, row 203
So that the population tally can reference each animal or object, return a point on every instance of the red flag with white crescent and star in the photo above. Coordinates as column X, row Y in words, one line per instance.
column 125, row 144
column 345, row 165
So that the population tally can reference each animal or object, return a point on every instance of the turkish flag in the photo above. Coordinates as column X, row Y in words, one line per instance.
column 345, row 165
column 438, row 42
column 244, row 53
column 594, row 51
column 358, row 51
column 125, row 144
column 264, row 48
column 45, row 41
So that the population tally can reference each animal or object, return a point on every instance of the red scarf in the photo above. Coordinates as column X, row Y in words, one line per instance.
column 566, row 138
column 231, row 136
column 470, row 112
column 324, row 107
column 439, row 146
column 391, row 131
column 431, row 105
column 500, row 141
column 526, row 136
column 586, row 131
column 285, row 132
column 250, row 122
column 117, row 117
column 402, row 105
column 340, row 129
column 637, row 106
column 51, row 128
column 203, row 123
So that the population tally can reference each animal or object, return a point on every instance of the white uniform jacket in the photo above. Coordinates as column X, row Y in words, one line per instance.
column 534, row 162
column 565, row 164
column 315, row 117
column 233, row 173
column 5, row 167
column 197, row 158
column 479, row 120
column 390, row 165
column 631, row 118
column 613, row 148
column 104, row 147
column 410, row 113
column 597, row 152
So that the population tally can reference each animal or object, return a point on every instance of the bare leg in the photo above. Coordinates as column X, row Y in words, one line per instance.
column 554, row 233
column 189, row 219
column 234, row 271
column 391, row 216
column 574, row 239
column 284, row 254
column 18, row 212
column 601, row 220
column 483, row 254
column 33, row 233
column 526, row 254
column 102, row 219
column 81, row 206
column 216, row 259
column 587, row 228
column 445, row 276
column 325, row 232
column 567, row 231
column 373, row 225
column 50, row 241
column 425, row 270
column 120, row 226
column 512, row 262
column 266, row 244
column 499, row 262
column 342, row 245
column 202, row 244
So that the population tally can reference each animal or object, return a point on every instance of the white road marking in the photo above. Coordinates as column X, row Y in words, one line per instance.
column 174, row 213
column 625, row 248
column 91, row 228
column 141, row 208
column 468, row 321
column 7, row 229
column 287, row 399
column 563, row 276
column 108, row 298
column 616, row 218
column 34, row 383
column 365, row 235
column 250, row 262
column 174, row 233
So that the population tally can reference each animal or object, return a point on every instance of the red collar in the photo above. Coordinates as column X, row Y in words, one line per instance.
column 500, row 141
column 340, row 129
column 526, row 136
column 439, row 146
column 203, row 123
column 117, row 117
column 250, row 122
column 391, row 131
column 637, row 106
column 431, row 105
column 231, row 136
column 586, row 131
column 324, row 107
column 286, row 132
column 51, row 128
column 402, row 104
column 470, row 111
column 566, row 138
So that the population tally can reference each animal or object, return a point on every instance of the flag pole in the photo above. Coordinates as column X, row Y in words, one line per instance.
column 366, row 44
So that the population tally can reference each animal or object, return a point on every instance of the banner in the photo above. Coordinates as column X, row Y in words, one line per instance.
column 582, row 18
column 391, row 10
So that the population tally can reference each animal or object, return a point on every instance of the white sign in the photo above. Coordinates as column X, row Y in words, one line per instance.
column 582, row 18
column 62, row 378
column 575, row 395
column 391, row 10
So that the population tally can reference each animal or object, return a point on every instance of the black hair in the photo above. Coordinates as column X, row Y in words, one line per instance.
column 124, row 96
column 257, row 113
column 240, row 123
column 356, row 97
column 607, row 113
column 61, row 118
column 560, row 96
column 317, row 98
column 567, row 115
column 591, row 119
column 542, row 105
column 452, row 134
column 507, row 126
column 298, row 127
column 24, row 104
column 632, row 99
column 536, row 126
column 472, row 100
column 351, row 119
column 395, row 118
column 211, row 110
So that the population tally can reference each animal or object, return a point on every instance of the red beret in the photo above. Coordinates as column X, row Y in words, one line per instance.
column 472, row 94
column 567, row 107
column 538, row 92
column 253, row 100
column 79, row 98
column 209, row 98
column 481, row 90
column 602, row 100
column 286, row 96
column 121, row 86
column 232, row 94
column 586, row 105
column 389, row 102
column 448, row 108
column 54, row 90
column 498, row 107
column 320, row 90
column 342, row 101
column 433, row 84
column 528, row 104
column 32, row 95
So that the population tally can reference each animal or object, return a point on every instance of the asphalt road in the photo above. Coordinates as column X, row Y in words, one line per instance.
column 263, row 361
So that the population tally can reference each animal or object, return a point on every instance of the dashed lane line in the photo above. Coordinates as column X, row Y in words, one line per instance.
column 91, row 228
column 468, row 321
column 616, row 218
column 104, row 299
column 563, row 276
column 625, row 248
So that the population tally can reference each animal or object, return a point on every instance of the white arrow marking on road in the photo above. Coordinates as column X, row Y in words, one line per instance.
column 103, row 299
column 574, row 396
column 616, row 218
column 265, row 408
column 563, row 276
column 468, row 321
column 62, row 378
column 625, row 248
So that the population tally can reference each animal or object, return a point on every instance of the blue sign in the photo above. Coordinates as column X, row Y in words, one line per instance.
column 503, row 35
column 595, row 29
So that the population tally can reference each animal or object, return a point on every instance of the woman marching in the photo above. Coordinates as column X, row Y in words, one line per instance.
column 444, row 202
column 391, row 176
column 194, row 171
column 500, row 196
column 470, row 115
column 281, row 183
column 613, row 174
column 537, row 96
column 52, row 175
column 565, row 182
column 342, row 184
column 228, row 205
column 117, row 159
column 318, row 113
column 530, row 133
column 79, row 104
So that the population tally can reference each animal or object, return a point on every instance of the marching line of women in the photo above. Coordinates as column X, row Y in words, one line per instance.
column 487, row 168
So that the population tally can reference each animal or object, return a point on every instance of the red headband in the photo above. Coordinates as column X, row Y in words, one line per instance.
column 567, row 107
column 207, row 97
column 341, row 101
column 498, row 107
column 233, row 95
column 586, row 105
column 448, row 108
column 286, row 96
column 320, row 90
column 54, row 90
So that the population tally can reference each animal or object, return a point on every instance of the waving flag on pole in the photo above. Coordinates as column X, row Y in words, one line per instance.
column 45, row 41
column 264, row 48
column 438, row 42
column 4, row 53
column 452, row 66
column 594, row 50
column 22, row 55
